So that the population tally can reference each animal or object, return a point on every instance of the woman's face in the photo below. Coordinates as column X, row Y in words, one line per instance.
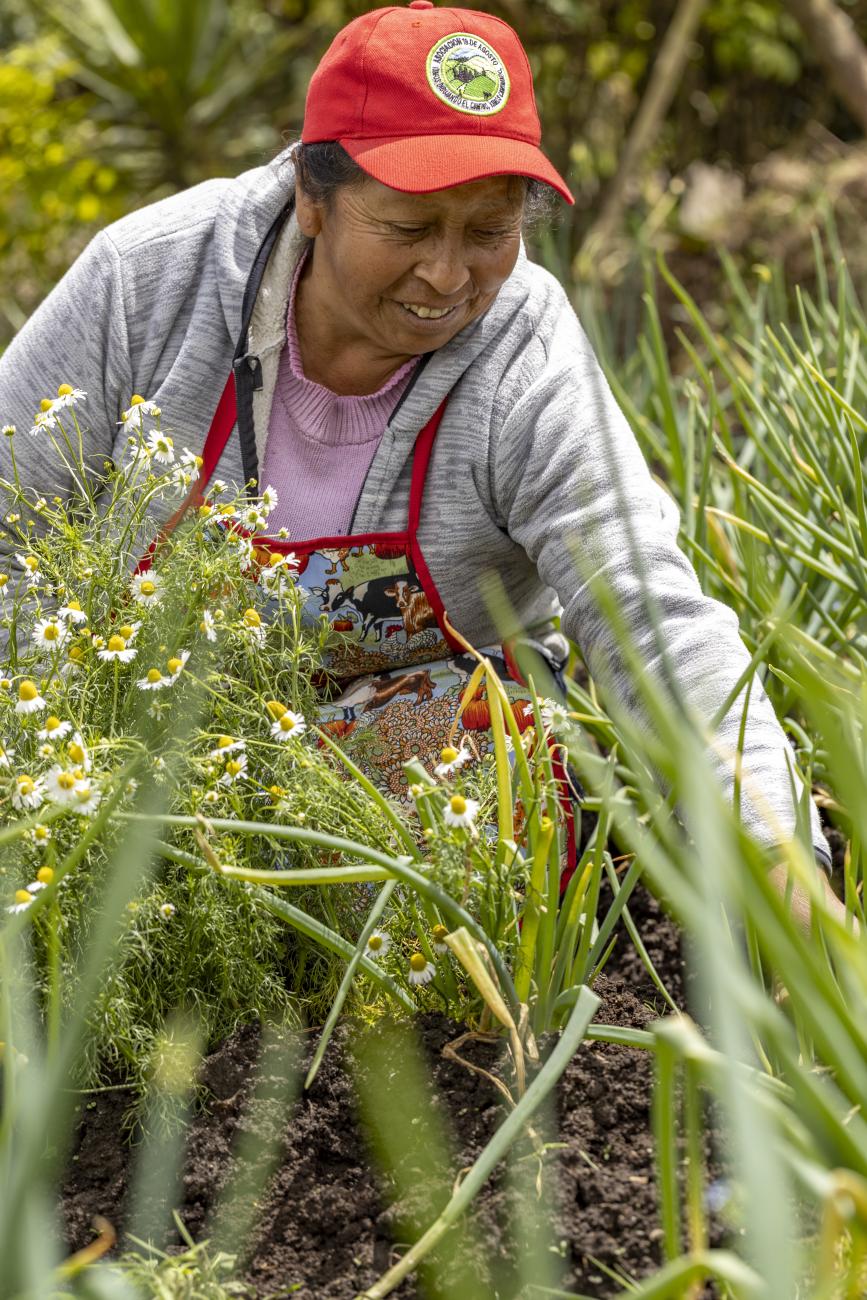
column 403, row 273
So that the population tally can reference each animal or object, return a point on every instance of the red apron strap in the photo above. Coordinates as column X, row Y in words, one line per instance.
column 420, row 461
column 218, row 435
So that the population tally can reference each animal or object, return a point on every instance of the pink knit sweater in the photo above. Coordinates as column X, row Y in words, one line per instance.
column 320, row 445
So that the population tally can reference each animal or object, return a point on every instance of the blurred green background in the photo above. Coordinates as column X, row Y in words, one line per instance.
column 106, row 105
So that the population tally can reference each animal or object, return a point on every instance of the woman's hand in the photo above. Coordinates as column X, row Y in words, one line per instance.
column 800, row 902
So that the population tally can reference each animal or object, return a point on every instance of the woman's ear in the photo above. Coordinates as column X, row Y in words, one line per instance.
column 308, row 213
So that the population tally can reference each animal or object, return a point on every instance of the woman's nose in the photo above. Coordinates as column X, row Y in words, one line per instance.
column 445, row 269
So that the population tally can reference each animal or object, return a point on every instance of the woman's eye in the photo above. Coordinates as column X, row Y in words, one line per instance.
column 413, row 232
column 492, row 234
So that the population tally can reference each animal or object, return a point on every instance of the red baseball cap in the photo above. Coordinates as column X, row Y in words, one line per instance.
column 425, row 98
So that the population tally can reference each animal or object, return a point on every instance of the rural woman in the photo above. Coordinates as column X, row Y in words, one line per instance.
column 357, row 325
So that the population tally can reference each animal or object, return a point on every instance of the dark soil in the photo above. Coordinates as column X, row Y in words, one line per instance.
column 330, row 1224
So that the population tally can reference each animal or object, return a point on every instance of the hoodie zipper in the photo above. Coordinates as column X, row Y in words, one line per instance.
column 246, row 366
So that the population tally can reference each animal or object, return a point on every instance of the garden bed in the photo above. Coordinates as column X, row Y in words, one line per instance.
column 325, row 1223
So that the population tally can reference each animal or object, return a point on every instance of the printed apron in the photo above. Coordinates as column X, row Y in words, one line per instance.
column 397, row 670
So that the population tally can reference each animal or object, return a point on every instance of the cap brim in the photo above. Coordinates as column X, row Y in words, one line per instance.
column 421, row 164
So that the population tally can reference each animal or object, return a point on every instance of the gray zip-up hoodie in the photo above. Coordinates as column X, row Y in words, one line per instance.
column 535, row 475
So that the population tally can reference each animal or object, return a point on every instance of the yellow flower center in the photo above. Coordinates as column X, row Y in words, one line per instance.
column 277, row 791
column 22, row 896
column 44, row 875
column 76, row 753
column 275, row 559
column 45, row 404
column 234, row 766
column 154, row 675
column 458, row 804
column 439, row 933
column 5, row 684
column 251, row 618
column 52, row 723
column 449, row 755
column 4, row 578
column 275, row 708
column 417, row 961
column 51, row 632
column 83, row 792
column 31, row 562
column 73, row 604
column 64, row 390
column 135, row 400
column 27, row 691
column 65, row 780
column 286, row 723
column 116, row 644
column 227, row 510
column 25, row 785
column 224, row 742
column 127, row 631
column 206, row 510
column 147, row 588
column 374, row 943
column 175, row 665
column 76, row 653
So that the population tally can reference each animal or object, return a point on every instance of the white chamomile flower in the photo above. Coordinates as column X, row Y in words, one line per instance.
column 29, row 699
column 44, row 876
column 460, row 811
column 154, row 680
column 86, row 798
column 161, row 447
column 235, row 768
column 253, row 625
column 167, row 910
column 191, row 463
column 438, row 937
column 218, row 486
column 23, row 899
column 43, row 420
column 78, row 752
column 54, row 729
column 133, row 419
column 41, row 834
column 50, row 633
column 8, row 430
column 554, row 715
column 451, row 759
column 146, row 588
column 27, row 792
column 289, row 724
column 227, row 745
column 60, row 784
column 207, row 626
column 277, row 572
column 46, row 750
column 72, row 612
column 6, row 754
column 252, row 518
column 269, row 499
column 117, row 650
column 378, row 944
column 30, row 565
column 421, row 971
column 67, row 396
column 177, row 663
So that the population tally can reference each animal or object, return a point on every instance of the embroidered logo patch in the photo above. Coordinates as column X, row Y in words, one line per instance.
column 466, row 73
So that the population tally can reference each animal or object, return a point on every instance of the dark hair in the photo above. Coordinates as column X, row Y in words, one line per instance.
column 326, row 167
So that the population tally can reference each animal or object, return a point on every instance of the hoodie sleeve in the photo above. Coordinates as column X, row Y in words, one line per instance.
column 77, row 336
column 576, row 493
